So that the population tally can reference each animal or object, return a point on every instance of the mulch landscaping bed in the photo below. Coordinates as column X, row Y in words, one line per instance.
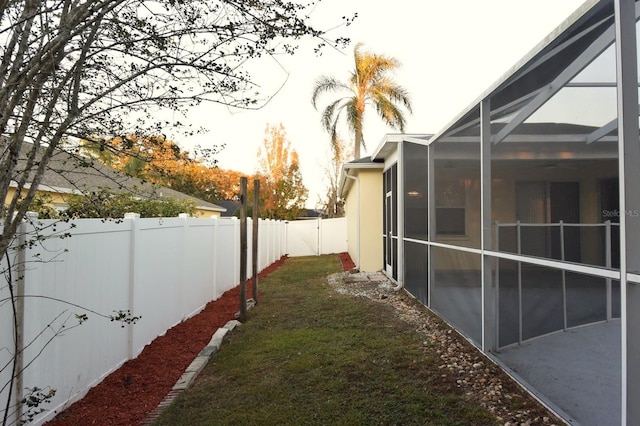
column 129, row 394
column 347, row 263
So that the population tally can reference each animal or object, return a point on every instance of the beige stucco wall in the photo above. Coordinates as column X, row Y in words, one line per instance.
column 205, row 213
column 351, row 213
column 368, row 216
column 57, row 199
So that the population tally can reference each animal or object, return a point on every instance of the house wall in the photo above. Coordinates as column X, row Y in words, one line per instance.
column 371, row 251
column 351, row 212
column 59, row 202
column 205, row 213
column 363, row 210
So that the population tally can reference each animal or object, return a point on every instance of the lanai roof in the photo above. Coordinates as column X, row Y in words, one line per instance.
column 543, row 73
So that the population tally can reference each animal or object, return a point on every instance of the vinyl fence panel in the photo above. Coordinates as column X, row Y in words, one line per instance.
column 163, row 270
column 64, row 280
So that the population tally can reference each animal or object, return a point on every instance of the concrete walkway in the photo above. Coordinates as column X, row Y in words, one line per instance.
column 578, row 371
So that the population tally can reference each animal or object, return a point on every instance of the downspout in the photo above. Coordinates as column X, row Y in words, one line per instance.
column 355, row 178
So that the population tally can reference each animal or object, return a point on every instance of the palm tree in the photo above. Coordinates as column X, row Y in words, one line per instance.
column 368, row 84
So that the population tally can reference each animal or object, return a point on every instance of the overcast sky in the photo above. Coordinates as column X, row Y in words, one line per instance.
column 450, row 51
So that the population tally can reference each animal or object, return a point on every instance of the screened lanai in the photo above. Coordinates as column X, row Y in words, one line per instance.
column 510, row 223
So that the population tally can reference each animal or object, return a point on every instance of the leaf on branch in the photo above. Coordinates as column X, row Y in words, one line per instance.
column 125, row 317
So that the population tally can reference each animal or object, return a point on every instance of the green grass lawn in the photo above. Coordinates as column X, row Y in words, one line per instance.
column 308, row 355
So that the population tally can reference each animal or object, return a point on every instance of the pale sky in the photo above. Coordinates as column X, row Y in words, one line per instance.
column 450, row 53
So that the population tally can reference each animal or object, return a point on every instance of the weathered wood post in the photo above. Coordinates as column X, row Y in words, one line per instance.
column 242, row 316
column 256, row 218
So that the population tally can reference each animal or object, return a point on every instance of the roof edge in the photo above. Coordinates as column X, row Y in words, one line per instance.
column 572, row 19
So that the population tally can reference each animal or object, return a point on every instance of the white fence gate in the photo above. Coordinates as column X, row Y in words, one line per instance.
column 313, row 237
column 162, row 269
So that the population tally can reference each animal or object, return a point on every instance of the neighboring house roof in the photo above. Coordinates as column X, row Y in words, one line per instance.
column 74, row 174
column 231, row 207
column 311, row 214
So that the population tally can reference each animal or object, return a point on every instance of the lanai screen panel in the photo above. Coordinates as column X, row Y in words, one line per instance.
column 457, row 280
column 416, row 184
column 456, row 290
column 554, row 196
column 555, row 165
column 536, row 300
column 553, row 175
column 416, row 274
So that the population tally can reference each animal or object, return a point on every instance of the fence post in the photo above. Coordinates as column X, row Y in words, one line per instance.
column 132, row 275
column 242, row 316
column 214, row 261
column 254, row 244
column 236, row 251
column 319, row 236
column 184, row 306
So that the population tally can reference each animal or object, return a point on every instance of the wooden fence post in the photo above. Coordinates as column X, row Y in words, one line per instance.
column 254, row 247
column 242, row 316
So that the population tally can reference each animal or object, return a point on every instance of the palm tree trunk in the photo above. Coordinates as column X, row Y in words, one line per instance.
column 358, row 141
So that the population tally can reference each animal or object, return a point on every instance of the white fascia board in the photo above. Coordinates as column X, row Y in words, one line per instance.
column 345, row 184
column 424, row 140
column 47, row 188
column 212, row 209
column 390, row 139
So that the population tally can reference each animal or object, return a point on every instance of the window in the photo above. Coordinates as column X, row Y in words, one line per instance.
column 451, row 196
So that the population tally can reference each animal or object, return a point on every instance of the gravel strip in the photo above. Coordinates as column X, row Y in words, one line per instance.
column 479, row 378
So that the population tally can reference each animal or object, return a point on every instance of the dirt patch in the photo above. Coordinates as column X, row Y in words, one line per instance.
column 129, row 394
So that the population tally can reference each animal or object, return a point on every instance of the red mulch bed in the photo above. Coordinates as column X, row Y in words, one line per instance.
column 142, row 383
column 347, row 263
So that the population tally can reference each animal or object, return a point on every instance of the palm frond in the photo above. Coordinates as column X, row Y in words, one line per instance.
column 324, row 85
column 390, row 113
column 368, row 83
column 331, row 113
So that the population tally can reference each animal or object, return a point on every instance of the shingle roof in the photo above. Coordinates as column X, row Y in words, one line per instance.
column 73, row 173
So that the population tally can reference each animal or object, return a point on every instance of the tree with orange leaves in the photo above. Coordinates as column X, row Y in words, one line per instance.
column 159, row 160
column 283, row 193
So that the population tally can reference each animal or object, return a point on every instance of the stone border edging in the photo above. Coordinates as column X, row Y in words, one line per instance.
column 193, row 370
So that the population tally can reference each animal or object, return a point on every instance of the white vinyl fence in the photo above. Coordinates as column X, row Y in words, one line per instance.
column 163, row 270
column 313, row 237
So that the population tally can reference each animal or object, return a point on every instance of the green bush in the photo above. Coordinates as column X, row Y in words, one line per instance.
column 107, row 204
